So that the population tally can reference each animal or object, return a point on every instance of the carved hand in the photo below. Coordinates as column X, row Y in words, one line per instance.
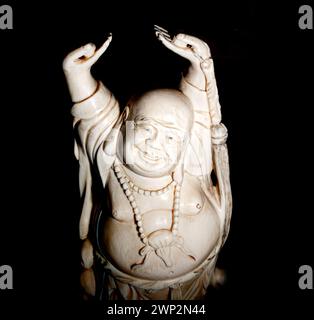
column 76, row 67
column 83, row 58
column 188, row 47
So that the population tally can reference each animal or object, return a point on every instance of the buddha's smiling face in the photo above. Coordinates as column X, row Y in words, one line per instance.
column 157, row 146
column 156, row 132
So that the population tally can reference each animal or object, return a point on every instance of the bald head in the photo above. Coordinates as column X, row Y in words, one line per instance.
column 169, row 107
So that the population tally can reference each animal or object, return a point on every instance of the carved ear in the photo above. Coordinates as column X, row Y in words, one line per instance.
column 123, row 116
column 111, row 141
column 179, row 170
column 126, row 112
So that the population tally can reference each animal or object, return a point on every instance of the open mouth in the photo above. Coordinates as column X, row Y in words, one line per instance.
column 147, row 156
column 150, row 157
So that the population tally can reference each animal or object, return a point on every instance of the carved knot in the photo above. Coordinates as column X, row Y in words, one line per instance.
column 219, row 134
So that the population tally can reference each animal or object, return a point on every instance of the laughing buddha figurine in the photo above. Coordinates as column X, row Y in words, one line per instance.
column 154, row 180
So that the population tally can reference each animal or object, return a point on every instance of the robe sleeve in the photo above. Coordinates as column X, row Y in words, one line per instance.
column 93, row 120
column 198, row 157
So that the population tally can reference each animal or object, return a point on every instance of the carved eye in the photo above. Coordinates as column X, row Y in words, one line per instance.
column 170, row 139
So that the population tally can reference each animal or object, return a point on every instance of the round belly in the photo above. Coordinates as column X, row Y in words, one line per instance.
column 167, row 256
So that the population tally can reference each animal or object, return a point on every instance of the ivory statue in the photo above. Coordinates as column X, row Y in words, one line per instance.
column 153, row 217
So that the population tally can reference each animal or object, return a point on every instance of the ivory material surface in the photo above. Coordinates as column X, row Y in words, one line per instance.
column 153, row 219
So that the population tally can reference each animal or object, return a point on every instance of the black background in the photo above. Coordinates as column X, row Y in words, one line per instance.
column 264, row 70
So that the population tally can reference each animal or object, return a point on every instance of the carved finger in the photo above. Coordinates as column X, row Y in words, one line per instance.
column 162, row 31
column 159, row 28
column 165, row 35
column 171, row 46
column 98, row 53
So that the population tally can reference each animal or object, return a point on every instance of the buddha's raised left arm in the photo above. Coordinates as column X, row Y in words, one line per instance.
column 207, row 150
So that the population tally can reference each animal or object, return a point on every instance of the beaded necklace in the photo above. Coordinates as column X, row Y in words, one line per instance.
column 129, row 188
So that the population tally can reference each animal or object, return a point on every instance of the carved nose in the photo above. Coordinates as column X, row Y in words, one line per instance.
column 153, row 144
column 153, row 140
